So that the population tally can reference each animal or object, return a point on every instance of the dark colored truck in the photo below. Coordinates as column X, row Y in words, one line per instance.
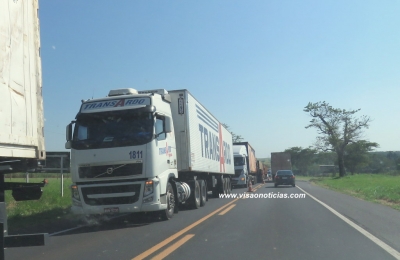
column 280, row 161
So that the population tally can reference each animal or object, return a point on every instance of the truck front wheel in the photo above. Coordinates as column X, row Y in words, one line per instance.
column 168, row 213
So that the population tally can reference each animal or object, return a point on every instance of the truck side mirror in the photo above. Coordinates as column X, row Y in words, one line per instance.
column 168, row 124
column 68, row 134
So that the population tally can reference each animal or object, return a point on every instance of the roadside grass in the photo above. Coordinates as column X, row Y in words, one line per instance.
column 303, row 178
column 380, row 188
column 51, row 208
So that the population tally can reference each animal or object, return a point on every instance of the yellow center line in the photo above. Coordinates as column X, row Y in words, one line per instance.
column 172, row 248
column 173, row 237
column 227, row 209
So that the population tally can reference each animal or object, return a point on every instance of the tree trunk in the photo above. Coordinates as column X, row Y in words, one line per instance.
column 342, row 170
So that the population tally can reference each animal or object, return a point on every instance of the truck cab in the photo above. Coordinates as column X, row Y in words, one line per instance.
column 122, row 153
column 241, row 178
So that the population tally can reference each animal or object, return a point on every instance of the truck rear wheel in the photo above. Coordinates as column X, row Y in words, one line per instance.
column 168, row 213
column 229, row 185
column 222, row 187
column 203, row 191
column 196, row 194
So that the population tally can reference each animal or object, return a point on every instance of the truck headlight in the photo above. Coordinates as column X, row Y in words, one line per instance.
column 75, row 192
column 242, row 179
column 148, row 188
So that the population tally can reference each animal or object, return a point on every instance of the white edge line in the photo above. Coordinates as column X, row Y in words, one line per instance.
column 63, row 231
column 374, row 239
column 67, row 230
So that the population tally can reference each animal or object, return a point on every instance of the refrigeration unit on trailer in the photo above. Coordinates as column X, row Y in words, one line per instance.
column 153, row 150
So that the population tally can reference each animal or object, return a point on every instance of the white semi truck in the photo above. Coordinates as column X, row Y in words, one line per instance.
column 242, row 177
column 245, row 164
column 142, row 151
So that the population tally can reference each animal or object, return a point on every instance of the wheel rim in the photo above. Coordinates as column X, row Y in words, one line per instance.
column 170, row 201
column 197, row 193
column 225, row 186
column 203, row 191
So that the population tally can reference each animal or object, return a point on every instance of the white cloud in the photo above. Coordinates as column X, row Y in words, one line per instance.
column 54, row 47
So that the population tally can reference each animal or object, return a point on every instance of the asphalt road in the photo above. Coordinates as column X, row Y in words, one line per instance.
column 273, row 228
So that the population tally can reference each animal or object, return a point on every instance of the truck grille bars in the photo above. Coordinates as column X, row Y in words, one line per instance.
column 116, row 170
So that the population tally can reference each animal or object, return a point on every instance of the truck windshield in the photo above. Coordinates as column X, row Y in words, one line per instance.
column 239, row 161
column 113, row 129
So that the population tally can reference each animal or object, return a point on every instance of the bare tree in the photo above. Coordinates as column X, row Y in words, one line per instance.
column 235, row 138
column 337, row 128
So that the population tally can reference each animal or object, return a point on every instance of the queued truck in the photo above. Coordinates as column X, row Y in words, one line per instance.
column 146, row 151
column 280, row 161
column 245, row 164
column 242, row 177
column 261, row 171
column 21, row 105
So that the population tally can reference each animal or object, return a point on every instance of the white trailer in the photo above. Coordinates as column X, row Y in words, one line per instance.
column 21, row 103
column 138, row 151
column 21, row 108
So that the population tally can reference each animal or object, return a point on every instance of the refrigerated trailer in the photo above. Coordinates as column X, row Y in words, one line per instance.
column 151, row 150
column 21, row 106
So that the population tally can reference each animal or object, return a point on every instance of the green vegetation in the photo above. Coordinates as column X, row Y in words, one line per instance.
column 50, row 208
column 337, row 128
column 308, row 161
column 303, row 178
column 379, row 188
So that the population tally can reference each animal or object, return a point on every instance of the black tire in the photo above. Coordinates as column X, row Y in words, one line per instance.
column 203, row 193
column 294, row 185
column 276, row 185
column 229, row 185
column 205, row 183
column 215, row 192
column 221, row 185
column 168, row 213
column 196, row 195
column 225, row 186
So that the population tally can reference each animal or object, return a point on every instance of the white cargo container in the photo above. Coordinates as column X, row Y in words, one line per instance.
column 21, row 104
column 149, row 150
column 21, row 108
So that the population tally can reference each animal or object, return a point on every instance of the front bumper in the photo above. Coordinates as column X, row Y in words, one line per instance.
column 112, row 198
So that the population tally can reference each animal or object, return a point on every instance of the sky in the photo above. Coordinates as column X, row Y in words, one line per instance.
column 253, row 64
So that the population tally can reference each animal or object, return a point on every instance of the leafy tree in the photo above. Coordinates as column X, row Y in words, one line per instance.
column 378, row 163
column 337, row 128
column 394, row 158
column 301, row 158
column 326, row 158
column 235, row 138
column 356, row 155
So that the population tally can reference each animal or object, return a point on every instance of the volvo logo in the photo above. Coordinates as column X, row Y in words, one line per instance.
column 110, row 170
